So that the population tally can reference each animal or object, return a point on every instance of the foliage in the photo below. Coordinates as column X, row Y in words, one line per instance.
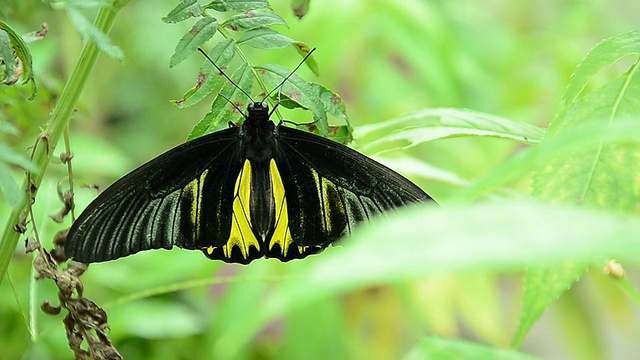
column 432, row 281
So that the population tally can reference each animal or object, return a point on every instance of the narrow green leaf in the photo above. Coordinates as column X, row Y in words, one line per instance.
column 222, row 112
column 237, row 5
column 304, row 49
column 184, row 10
column 445, row 349
column 265, row 38
column 298, row 90
column 221, row 54
column 431, row 124
column 88, row 31
column 253, row 20
column 199, row 34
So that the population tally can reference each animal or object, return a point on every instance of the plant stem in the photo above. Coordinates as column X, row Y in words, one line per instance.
column 57, row 123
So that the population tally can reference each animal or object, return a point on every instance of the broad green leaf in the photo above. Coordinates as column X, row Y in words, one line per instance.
column 222, row 112
column 221, row 54
column 184, row 10
column 237, row 5
column 253, row 20
column 454, row 349
column 432, row 124
column 297, row 89
column 603, row 174
column 625, row 133
column 265, row 38
column 199, row 34
column 418, row 241
column 88, row 31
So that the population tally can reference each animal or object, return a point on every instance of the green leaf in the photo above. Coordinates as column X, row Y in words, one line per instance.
column 300, row 7
column 605, row 53
column 265, row 38
column 184, row 10
column 432, row 124
column 603, row 174
column 221, row 54
column 444, row 349
column 296, row 89
column 253, row 20
column 88, row 31
column 148, row 319
column 304, row 49
column 6, row 55
column 17, row 44
column 331, row 101
column 543, row 286
column 237, row 5
column 222, row 112
column 9, row 189
column 200, row 33
column 496, row 237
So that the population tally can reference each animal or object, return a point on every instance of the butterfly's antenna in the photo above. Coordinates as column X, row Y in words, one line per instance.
column 233, row 104
column 227, row 77
column 279, row 87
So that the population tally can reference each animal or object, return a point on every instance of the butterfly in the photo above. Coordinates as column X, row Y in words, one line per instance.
column 246, row 192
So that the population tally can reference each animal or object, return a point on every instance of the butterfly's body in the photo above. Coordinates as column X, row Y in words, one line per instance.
column 250, row 191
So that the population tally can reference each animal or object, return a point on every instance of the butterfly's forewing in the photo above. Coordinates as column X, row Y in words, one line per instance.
column 329, row 187
column 180, row 198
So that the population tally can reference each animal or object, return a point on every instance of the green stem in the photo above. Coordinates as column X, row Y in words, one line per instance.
column 59, row 120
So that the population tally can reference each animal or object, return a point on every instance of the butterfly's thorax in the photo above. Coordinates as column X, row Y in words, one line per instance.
column 259, row 146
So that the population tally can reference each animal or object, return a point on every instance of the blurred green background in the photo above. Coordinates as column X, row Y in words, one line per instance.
column 386, row 58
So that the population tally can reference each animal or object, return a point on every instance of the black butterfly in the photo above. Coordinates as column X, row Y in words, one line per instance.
column 239, row 194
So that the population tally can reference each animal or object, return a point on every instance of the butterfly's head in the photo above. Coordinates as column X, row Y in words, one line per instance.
column 258, row 108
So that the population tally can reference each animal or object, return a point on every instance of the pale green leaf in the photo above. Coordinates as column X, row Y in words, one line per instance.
column 454, row 349
column 88, row 31
column 502, row 237
column 432, row 124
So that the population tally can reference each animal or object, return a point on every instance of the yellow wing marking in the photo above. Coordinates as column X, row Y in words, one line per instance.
column 241, row 234
column 281, row 233
column 193, row 192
